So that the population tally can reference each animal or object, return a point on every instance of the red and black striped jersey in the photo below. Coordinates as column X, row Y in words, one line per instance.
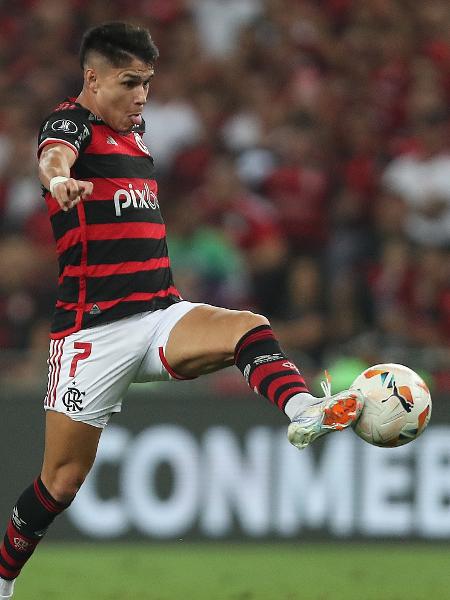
column 112, row 250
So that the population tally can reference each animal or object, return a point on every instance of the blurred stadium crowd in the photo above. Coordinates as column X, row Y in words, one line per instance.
column 302, row 154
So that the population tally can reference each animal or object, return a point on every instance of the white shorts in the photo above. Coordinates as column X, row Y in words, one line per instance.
column 91, row 370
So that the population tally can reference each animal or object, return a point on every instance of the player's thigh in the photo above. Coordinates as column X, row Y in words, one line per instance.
column 157, row 327
column 204, row 340
column 90, row 370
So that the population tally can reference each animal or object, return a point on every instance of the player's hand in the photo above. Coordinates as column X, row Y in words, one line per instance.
column 70, row 192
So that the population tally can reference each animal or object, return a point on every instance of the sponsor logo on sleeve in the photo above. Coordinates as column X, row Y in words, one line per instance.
column 65, row 126
column 81, row 137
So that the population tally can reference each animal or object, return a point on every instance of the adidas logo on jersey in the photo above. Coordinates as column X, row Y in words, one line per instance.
column 95, row 310
column 111, row 140
column 138, row 198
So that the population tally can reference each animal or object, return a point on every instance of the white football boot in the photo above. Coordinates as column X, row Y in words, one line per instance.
column 6, row 588
column 330, row 413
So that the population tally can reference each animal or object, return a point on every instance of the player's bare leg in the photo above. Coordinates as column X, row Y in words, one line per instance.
column 208, row 339
column 205, row 339
column 70, row 449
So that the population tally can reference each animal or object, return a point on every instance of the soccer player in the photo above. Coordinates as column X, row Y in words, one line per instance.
column 119, row 318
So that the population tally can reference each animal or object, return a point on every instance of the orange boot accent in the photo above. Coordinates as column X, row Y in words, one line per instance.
column 341, row 413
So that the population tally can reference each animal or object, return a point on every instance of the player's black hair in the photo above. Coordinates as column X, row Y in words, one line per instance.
column 119, row 43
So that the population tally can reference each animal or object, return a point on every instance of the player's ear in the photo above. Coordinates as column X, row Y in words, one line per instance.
column 90, row 78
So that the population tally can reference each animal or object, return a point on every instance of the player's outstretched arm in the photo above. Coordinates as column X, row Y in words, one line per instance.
column 54, row 172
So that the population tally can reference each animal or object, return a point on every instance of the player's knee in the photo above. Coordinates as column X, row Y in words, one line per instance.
column 65, row 482
column 247, row 321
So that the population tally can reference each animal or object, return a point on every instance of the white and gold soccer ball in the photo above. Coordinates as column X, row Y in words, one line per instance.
column 397, row 405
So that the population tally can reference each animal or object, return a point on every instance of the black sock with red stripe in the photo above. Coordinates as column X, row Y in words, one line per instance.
column 33, row 514
column 266, row 368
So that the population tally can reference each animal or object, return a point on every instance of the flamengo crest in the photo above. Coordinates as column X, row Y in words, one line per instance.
column 140, row 143
column 21, row 545
column 73, row 399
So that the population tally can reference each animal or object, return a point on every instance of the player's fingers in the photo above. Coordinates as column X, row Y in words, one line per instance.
column 73, row 189
column 85, row 188
column 74, row 202
column 69, row 193
column 61, row 194
column 66, row 193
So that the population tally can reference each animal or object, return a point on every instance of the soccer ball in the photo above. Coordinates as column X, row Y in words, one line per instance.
column 397, row 405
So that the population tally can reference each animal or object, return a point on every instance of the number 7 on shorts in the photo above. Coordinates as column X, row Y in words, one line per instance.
column 86, row 348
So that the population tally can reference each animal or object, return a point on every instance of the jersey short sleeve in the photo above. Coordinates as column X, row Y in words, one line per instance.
column 69, row 126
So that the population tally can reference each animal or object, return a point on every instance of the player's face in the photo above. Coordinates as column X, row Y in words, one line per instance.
column 121, row 93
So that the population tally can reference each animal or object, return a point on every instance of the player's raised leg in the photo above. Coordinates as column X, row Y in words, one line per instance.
column 209, row 338
column 70, row 449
